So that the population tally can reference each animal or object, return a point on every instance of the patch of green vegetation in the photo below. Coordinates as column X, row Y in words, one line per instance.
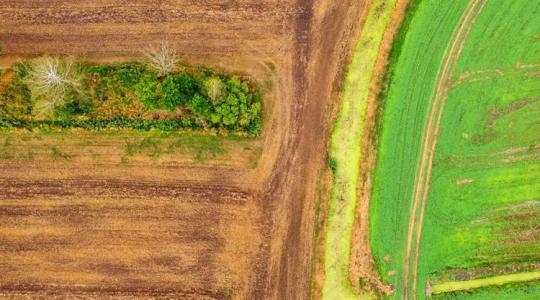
column 345, row 153
column 60, row 92
column 511, row 291
column 125, row 146
column 155, row 145
column 453, row 286
column 487, row 158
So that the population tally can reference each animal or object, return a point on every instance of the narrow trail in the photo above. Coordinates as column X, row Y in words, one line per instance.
column 431, row 133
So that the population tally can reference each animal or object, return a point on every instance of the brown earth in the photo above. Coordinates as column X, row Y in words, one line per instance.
column 192, row 230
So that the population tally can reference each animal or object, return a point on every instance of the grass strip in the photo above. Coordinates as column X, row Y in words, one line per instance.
column 453, row 286
column 345, row 153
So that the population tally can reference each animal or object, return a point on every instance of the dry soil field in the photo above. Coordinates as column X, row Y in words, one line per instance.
column 214, row 230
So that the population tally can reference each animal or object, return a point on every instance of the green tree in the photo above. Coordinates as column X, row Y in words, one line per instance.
column 178, row 89
column 200, row 105
column 147, row 90
column 172, row 97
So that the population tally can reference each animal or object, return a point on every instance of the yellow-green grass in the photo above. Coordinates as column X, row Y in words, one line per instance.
column 345, row 153
column 126, row 146
column 482, row 208
column 524, row 290
column 478, row 283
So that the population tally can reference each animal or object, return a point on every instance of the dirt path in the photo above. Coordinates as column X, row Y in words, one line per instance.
column 431, row 133
column 323, row 41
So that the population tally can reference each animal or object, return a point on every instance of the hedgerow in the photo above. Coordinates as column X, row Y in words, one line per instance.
column 130, row 95
column 141, row 124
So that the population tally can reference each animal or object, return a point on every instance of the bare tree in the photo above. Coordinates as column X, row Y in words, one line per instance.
column 163, row 58
column 50, row 79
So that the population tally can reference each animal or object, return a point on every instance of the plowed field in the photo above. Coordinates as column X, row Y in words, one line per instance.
column 91, row 227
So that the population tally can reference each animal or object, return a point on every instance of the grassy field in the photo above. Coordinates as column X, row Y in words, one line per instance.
column 482, row 209
column 399, row 145
column 345, row 152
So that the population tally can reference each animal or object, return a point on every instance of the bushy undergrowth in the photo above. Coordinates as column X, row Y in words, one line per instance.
column 130, row 95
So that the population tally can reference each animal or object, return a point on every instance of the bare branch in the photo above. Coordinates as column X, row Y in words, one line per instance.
column 163, row 58
column 50, row 79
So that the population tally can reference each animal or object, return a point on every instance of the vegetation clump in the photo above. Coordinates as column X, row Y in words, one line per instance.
column 51, row 82
column 60, row 92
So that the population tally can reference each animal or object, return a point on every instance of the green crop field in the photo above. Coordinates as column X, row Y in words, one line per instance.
column 480, row 61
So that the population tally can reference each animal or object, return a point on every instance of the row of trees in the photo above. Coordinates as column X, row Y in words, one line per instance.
column 216, row 99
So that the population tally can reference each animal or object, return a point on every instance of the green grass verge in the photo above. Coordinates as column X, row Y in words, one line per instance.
column 511, row 291
column 345, row 152
column 478, row 283
column 125, row 146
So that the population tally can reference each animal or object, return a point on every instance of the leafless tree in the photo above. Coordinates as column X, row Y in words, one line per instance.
column 162, row 58
column 50, row 79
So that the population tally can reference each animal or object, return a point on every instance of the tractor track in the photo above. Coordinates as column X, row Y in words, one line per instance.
column 431, row 132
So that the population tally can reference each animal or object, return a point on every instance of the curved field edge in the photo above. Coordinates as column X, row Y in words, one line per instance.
column 431, row 133
column 387, row 260
column 386, row 240
column 453, row 286
column 345, row 154
column 362, row 272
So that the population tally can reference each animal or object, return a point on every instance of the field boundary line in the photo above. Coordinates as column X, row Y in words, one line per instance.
column 452, row 286
column 344, row 154
column 362, row 264
column 430, row 135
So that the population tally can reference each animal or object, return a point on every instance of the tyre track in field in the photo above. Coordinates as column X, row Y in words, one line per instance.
column 431, row 133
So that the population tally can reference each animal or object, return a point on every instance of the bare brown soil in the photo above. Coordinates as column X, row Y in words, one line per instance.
column 213, row 230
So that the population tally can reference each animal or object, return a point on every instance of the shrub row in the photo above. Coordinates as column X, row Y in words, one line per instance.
column 140, row 124
column 129, row 95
